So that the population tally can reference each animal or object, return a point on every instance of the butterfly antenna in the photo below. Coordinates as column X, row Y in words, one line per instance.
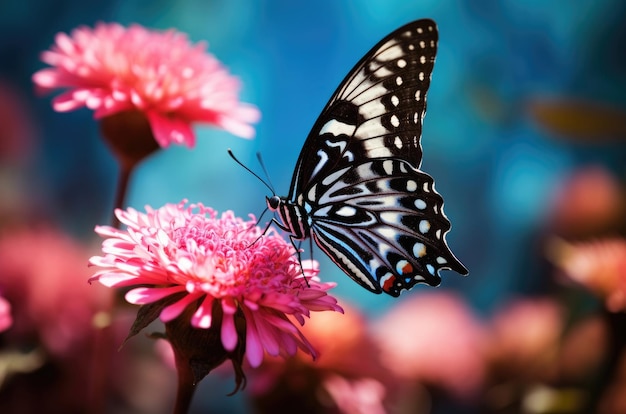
column 230, row 152
column 258, row 157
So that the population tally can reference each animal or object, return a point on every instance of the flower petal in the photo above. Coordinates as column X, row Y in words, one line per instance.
column 169, row 129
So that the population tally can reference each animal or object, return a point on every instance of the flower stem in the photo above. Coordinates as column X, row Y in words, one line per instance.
column 100, row 362
column 121, row 191
column 186, row 387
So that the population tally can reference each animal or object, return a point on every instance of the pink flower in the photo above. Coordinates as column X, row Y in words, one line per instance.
column 5, row 314
column 435, row 339
column 356, row 396
column 589, row 202
column 525, row 337
column 42, row 274
column 599, row 266
column 219, row 268
column 112, row 68
column 347, row 378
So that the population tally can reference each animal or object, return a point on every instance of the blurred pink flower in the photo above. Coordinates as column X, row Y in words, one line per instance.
column 43, row 273
column 590, row 201
column 600, row 266
column 112, row 68
column 356, row 396
column 188, row 254
column 6, row 320
column 346, row 377
column 434, row 338
column 525, row 336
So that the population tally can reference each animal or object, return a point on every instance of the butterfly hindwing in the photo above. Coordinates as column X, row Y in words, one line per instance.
column 381, row 221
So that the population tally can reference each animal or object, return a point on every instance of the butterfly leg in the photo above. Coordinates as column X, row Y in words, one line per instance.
column 299, row 254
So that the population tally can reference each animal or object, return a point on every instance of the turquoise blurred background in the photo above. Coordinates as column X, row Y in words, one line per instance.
column 496, row 168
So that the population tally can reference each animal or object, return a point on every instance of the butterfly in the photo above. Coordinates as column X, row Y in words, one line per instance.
column 357, row 189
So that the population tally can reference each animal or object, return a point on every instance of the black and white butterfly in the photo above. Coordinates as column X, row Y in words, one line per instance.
column 357, row 188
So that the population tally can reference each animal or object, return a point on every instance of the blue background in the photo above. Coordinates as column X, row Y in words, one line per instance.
column 496, row 169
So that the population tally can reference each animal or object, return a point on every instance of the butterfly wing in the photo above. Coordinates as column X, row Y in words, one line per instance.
column 382, row 223
column 377, row 110
column 369, row 207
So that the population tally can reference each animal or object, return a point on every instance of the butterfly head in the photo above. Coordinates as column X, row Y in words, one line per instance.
column 273, row 202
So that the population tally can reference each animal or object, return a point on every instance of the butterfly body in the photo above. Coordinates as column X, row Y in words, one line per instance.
column 357, row 189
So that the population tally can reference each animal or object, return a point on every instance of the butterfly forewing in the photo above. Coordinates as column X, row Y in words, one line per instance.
column 377, row 111
column 357, row 183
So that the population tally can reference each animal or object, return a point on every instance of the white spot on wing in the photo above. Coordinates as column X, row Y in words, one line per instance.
column 311, row 195
column 395, row 121
column 441, row 260
column 391, row 51
column 387, row 233
column 419, row 250
column 346, row 211
column 372, row 109
column 401, row 63
column 375, row 148
column 421, row 204
column 365, row 91
column 337, row 128
column 391, row 217
column 397, row 142
column 388, row 166
column 411, row 186
column 371, row 128
column 424, row 226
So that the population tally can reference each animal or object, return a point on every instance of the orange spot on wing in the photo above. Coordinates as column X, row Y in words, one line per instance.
column 388, row 285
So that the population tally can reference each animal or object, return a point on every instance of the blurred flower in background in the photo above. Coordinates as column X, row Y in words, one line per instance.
column 194, row 269
column 599, row 266
column 43, row 278
column 434, row 342
column 525, row 335
column 111, row 68
column 346, row 378
column 589, row 203
column 48, row 350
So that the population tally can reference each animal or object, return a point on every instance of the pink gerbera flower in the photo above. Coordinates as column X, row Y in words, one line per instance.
column 218, row 273
column 112, row 68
